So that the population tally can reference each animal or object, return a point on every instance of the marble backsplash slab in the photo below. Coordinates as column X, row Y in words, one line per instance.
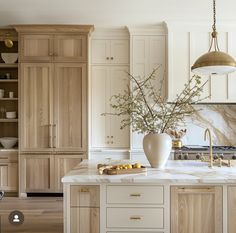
column 220, row 119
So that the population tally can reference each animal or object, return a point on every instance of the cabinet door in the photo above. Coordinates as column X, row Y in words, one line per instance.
column 100, row 50
column 9, row 176
column 119, row 51
column 37, row 173
column 63, row 164
column 70, row 48
column 70, row 107
column 35, row 107
column 196, row 209
column 119, row 81
column 231, row 209
column 100, row 131
column 36, row 47
column 84, row 220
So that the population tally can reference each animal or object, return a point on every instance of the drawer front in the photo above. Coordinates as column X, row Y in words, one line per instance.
column 152, row 218
column 135, row 194
column 8, row 156
column 85, row 196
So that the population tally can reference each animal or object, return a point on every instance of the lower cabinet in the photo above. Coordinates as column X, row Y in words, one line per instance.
column 85, row 209
column 9, row 171
column 196, row 209
column 43, row 172
column 231, row 209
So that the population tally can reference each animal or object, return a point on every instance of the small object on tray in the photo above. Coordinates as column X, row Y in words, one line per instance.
column 121, row 169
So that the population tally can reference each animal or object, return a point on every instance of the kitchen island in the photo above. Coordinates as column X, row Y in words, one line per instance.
column 186, row 196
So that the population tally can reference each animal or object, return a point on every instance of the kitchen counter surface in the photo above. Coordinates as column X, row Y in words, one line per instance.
column 174, row 172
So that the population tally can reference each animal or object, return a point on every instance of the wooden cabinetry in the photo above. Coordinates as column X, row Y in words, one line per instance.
column 84, row 209
column 231, row 209
column 196, row 209
column 43, row 172
column 110, row 51
column 9, row 171
column 105, row 130
column 51, row 47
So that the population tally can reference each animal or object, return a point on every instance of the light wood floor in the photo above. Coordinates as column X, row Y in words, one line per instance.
column 42, row 214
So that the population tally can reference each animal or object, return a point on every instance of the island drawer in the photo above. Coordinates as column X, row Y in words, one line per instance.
column 149, row 218
column 84, row 196
column 135, row 194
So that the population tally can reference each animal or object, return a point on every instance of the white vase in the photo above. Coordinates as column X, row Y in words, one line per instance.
column 157, row 148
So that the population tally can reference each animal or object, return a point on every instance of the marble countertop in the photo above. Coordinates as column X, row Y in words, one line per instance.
column 175, row 172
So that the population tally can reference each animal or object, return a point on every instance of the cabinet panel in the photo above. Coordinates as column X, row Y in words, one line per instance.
column 99, row 97
column 100, row 51
column 70, row 48
column 196, row 210
column 85, row 196
column 84, row 220
column 231, row 209
column 119, row 81
column 35, row 106
column 9, row 176
column 64, row 164
column 70, row 107
column 119, row 51
column 37, row 171
column 36, row 48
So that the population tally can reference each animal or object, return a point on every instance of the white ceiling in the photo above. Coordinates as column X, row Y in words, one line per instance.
column 112, row 12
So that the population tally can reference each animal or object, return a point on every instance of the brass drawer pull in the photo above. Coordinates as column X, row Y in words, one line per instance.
column 135, row 195
column 135, row 218
column 84, row 190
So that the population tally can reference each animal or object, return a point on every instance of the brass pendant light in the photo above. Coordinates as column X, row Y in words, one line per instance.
column 214, row 62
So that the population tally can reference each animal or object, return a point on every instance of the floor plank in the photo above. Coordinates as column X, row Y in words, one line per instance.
column 42, row 214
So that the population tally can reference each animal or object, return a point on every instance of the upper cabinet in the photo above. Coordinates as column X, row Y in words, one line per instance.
column 110, row 51
column 57, row 43
column 187, row 42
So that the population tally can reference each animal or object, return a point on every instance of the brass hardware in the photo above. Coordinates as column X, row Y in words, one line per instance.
column 207, row 131
column 50, row 136
column 108, row 142
column 112, row 137
column 8, row 43
column 112, row 58
column 198, row 190
column 135, row 218
column 54, row 135
column 111, row 142
column 108, row 136
column 107, row 58
column 135, row 195
column 84, row 190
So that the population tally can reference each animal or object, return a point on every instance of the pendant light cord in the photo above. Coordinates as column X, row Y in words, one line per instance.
column 214, row 16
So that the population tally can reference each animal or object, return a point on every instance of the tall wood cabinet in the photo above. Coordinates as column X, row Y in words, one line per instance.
column 53, row 88
column 196, row 209
column 231, row 215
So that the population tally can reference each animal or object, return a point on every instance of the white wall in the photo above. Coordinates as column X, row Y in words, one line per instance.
column 112, row 12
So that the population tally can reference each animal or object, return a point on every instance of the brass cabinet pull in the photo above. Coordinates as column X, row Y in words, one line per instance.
column 135, row 218
column 196, row 190
column 54, row 135
column 107, row 58
column 112, row 58
column 50, row 136
column 135, row 195
column 84, row 190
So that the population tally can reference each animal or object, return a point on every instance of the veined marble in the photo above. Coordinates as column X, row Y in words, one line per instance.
column 220, row 119
column 188, row 172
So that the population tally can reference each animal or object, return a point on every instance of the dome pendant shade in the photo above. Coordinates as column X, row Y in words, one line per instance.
column 214, row 62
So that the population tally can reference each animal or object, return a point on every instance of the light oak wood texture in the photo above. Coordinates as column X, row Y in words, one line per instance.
column 196, row 209
column 6, row 33
column 231, row 209
column 37, row 173
column 71, row 48
column 36, row 47
column 64, row 164
column 84, row 220
column 85, row 196
column 42, row 215
column 53, row 28
column 70, row 107
column 36, row 91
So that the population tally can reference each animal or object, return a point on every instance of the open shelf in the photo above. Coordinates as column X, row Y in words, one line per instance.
column 8, row 80
column 8, row 120
column 4, row 65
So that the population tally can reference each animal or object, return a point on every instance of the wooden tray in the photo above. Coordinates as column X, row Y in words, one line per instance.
column 111, row 171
